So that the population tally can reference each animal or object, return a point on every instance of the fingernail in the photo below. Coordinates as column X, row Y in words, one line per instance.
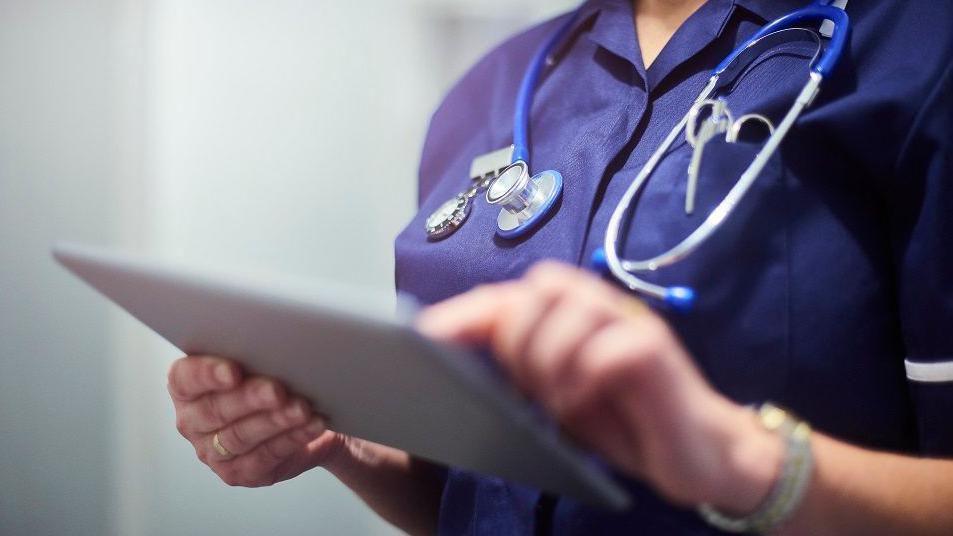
column 427, row 323
column 267, row 394
column 223, row 373
column 420, row 319
column 295, row 412
column 315, row 427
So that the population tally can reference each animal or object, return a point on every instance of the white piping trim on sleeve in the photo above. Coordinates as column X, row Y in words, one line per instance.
column 941, row 371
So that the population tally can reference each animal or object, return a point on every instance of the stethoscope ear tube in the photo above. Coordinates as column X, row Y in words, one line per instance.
column 524, row 96
column 525, row 199
column 680, row 299
column 527, row 202
column 814, row 13
column 610, row 252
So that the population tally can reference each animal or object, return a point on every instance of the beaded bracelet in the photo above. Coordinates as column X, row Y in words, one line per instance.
column 790, row 486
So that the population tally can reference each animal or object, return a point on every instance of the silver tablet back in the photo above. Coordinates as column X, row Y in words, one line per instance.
column 371, row 374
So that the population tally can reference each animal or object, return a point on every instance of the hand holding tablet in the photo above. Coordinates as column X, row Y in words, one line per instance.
column 370, row 373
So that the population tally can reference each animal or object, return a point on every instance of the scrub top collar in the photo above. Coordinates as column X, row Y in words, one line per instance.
column 613, row 29
column 609, row 24
column 766, row 9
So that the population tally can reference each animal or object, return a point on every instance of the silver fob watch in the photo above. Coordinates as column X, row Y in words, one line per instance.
column 452, row 214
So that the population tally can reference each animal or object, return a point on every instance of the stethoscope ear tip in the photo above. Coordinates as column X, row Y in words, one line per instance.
column 681, row 299
column 598, row 261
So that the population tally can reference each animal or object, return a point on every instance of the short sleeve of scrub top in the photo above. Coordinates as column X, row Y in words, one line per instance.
column 922, row 235
column 828, row 291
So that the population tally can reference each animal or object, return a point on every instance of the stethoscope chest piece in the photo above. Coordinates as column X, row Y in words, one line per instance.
column 448, row 217
column 525, row 200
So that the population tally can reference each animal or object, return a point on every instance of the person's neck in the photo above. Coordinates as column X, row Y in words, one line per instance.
column 656, row 22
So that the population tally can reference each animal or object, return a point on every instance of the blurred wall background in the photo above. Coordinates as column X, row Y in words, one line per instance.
column 221, row 131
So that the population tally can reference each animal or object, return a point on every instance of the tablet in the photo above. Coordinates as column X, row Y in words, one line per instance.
column 359, row 363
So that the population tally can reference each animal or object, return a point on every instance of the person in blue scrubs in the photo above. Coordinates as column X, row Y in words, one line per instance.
column 828, row 292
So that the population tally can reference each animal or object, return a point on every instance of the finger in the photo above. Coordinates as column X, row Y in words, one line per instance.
column 592, row 418
column 610, row 374
column 570, row 305
column 246, row 434
column 468, row 318
column 218, row 409
column 472, row 317
column 557, row 338
column 263, row 465
column 603, row 428
column 557, row 277
column 613, row 354
column 193, row 376
column 589, row 306
column 509, row 341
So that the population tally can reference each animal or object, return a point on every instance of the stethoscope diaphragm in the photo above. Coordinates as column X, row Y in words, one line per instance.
column 524, row 200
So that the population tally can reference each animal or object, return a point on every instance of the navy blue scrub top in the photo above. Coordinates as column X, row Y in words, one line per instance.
column 835, row 268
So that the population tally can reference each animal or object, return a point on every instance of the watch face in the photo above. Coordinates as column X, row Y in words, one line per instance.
column 448, row 217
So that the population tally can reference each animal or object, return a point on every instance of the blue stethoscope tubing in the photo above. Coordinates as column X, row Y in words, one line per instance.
column 815, row 13
column 521, row 120
column 527, row 90
column 679, row 297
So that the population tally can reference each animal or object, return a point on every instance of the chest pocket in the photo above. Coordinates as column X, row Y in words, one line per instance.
column 738, row 329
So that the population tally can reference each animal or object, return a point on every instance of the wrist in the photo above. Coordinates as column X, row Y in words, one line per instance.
column 788, row 486
column 751, row 465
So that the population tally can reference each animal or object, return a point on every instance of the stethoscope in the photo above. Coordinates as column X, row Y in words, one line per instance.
column 526, row 199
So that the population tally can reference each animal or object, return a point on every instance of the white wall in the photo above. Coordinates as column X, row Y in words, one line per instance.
column 56, row 180
column 225, row 131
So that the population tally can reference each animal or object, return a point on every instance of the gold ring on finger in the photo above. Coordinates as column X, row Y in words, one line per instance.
column 219, row 447
column 634, row 307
